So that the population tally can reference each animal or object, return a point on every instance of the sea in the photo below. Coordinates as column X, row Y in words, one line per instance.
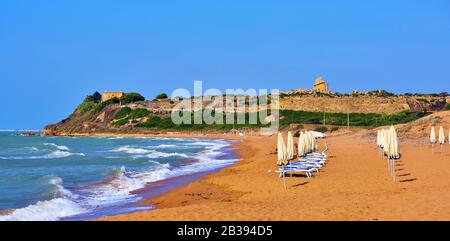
column 81, row 178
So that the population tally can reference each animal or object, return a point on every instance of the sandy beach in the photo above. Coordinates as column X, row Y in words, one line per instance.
column 354, row 185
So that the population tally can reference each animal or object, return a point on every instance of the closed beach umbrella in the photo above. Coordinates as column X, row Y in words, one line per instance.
column 313, row 142
column 386, row 142
column 301, row 144
column 307, row 142
column 432, row 136
column 441, row 136
column 290, row 147
column 395, row 150
column 281, row 150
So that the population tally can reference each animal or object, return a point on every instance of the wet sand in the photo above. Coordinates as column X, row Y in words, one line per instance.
column 354, row 185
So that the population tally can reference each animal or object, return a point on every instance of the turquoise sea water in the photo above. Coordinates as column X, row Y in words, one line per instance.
column 69, row 178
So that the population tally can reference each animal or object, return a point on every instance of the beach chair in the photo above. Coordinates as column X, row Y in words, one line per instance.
column 291, row 169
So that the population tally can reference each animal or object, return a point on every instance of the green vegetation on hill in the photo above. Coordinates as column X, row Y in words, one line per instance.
column 139, row 113
column 93, row 102
column 162, row 96
column 356, row 119
column 123, row 112
column 121, row 122
column 166, row 123
column 131, row 98
column 151, row 122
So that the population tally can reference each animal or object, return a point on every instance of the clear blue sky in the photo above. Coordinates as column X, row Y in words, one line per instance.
column 54, row 53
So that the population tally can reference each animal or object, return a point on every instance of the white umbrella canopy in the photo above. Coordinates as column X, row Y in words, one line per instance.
column 386, row 141
column 310, row 142
column 307, row 142
column 301, row 144
column 395, row 150
column 281, row 150
column 313, row 142
column 290, row 147
column 441, row 136
column 432, row 136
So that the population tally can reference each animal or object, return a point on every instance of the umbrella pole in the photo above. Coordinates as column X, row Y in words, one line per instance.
column 284, row 180
column 389, row 165
column 393, row 168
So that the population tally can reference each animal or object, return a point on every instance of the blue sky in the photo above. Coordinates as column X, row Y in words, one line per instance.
column 54, row 53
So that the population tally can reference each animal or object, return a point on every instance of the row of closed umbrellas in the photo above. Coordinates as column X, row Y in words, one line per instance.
column 441, row 137
column 286, row 153
column 387, row 141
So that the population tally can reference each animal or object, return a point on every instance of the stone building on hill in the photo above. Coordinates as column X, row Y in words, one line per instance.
column 110, row 94
column 320, row 86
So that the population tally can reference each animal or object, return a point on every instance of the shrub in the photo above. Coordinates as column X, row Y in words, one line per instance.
column 334, row 128
column 161, row 96
column 165, row 123
column 131, row 97
column 97, row 97
column 151, row 122
column 139, row 113
column 87, row 104
column 121, row 122
column 100, row 106
column 123, row 112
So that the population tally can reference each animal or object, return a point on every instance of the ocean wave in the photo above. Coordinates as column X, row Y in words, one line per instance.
column 49, row 210
column 200, row 143
column 147, row 152
column 61, row 154
column 59, row 147
column 120, row 188
column 164, row 146
column 59, row 190
column 131, row 150
column 121, row 185
column 52, row 155
column 157, row 154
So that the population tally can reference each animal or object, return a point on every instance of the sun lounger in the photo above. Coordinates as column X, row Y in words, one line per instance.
column 306, row 170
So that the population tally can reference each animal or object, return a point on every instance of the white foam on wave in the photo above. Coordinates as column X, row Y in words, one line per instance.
column 164, row 146
column 52, row 155
column 59, row 147
column 131, row 150
column 208, row 159
column 61, row 154
column 147, row 152
column 120, row 188
column 49, row 210
column 30, row 149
